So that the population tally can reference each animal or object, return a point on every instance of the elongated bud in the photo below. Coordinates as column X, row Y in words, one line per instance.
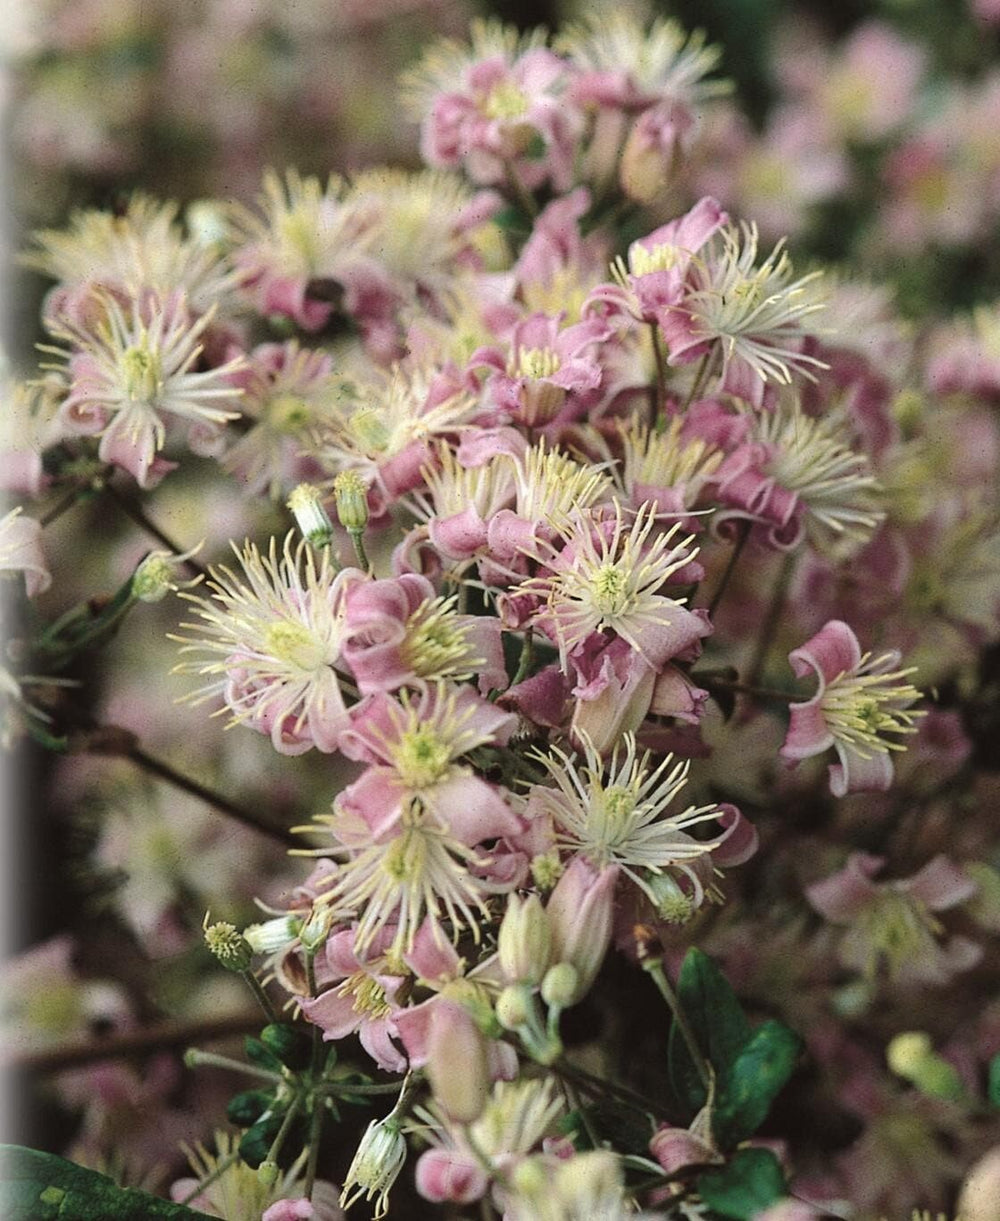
column 268, row 1173
column 352, row 501
column 273, row 935
column 311, row 517
column 580, row 911
column 457, row 1063
column 156, row 575
column 911, row 1056
column 525, row 940
column 514, row 1007
column 228, row 945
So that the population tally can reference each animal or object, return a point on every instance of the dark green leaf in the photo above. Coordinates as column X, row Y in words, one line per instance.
column 719, row 1025
column 751, row 1182
column 260, row 1054
column 993, row 1083
column 745, row 1093
column 42, row 1187
column 290, row 1044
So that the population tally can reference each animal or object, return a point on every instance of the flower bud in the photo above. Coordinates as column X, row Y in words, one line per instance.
column 268, row 1173
column 525, row 940
column 352, row 501
column 980, row 1196
column 580, row 910
column 911, row 1056
column 457, row 1062
column 559, row 987
column 675, row 1148
column 228, row 945
column 514, row 1007
column 272, row 935
column 450, row 1175
column 311, row 517
column 156, row 575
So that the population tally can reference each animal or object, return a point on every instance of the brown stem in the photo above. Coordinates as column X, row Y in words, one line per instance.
column 129, row 1042
column 741, row 542
column 121, row 743
column 771, row 618
column 132, row 510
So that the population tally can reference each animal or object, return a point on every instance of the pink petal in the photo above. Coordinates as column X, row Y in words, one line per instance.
column 857, row 773
column 473, row 810
column 841, row 896
column 940, row 884
column 833, row 651
column 808, row 733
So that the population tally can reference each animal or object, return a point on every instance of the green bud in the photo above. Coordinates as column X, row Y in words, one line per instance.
column 513, row 1007
column 228, row 945
column 268, row 1173
column 525, row 940
column 260, row 1054
column 311, row 517
column 352, row 501
column 560, row 985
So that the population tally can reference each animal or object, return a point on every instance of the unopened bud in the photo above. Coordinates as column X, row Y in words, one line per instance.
column 580, row 913
column 912, row 1057
column 560, row 985
column 907, row 1052
column 525, row 940
column 376, row 1165
column 514, row 1007
column 273, row 935
column 316, row 929
column 311, row 517
column 457, row 1063
column 352, row 501
column 268, row 1173
column 228, row 945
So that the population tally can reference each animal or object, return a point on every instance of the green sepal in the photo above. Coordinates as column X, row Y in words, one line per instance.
column 290, row 1044
column 749, row 1183
column 43, row 1187
column 993, row 1082
column 719, row 1025
column 255, row 1143
column 746, row 1091
column 243, row 1110
column 260, row 1054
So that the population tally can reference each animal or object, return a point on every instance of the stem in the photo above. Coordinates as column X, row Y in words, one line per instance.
column 156, row 767
column 658, row 393
column 165, row 1034
column 358, row 539
column 771, row 617
column 195, row 1058
column 62, row 506
column 315, row 1125
column 519, row 191
column 286, row 1124
column 262, row 998
column 698, row 383
column 654, row 968
column 136, row 513
column 764, row 693
column 208, row 1180
column 598, row 1086
column 741, row 541
column 343, row 1089
column 524, row 661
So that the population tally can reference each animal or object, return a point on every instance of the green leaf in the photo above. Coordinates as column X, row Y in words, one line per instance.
column 751, row 1182
column 993, row 1082
column 755, row 1078
column 42, row 1187
column 718, row 1023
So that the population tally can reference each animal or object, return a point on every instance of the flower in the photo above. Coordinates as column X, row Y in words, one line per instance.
column 376, row 1165
column 270, row 643
column 21, row 551
column 613, row 813
column 132, row 370
column 859, row 700
column 607, row 578
column 892, row 923
column 753, row 314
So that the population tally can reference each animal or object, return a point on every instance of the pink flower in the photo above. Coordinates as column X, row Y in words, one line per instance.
column 892, row 922
column 857, row 702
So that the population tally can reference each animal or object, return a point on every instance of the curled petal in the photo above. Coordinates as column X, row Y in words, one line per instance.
column 840, row 897
column 833, row 651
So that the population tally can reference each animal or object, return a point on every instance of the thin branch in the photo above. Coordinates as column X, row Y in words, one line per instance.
column 128, row 1042
column 133, row 510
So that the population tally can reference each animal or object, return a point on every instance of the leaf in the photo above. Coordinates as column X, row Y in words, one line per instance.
column 751, row 1182
column 993, row 1082
column 42, row 1187
column 718, row 1023
column 755, row 1078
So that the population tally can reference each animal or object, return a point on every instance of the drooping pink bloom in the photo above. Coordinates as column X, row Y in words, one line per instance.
column 21, row 551
column 859, row 700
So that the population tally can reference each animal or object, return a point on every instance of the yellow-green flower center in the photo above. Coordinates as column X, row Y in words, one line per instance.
column 422, row 758
column 142, row 370
column 288, row 413
column 294, row 644
column 505, row 101
column 436, row 646
column 643, row 261
column 537, row 362
column 610, row 591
